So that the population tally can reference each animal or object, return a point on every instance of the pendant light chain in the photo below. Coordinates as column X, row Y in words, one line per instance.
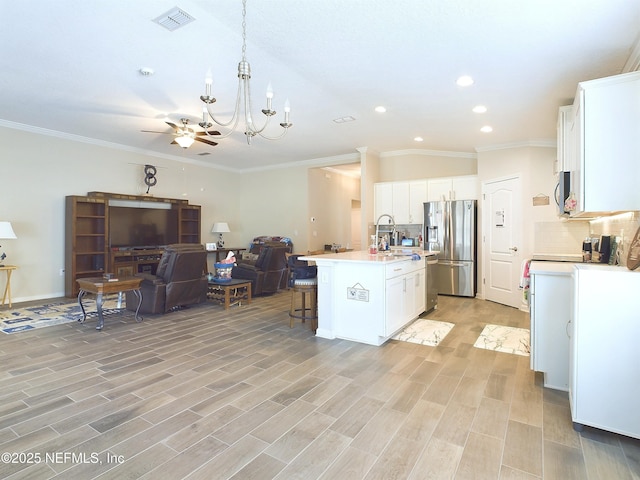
column 244, row 29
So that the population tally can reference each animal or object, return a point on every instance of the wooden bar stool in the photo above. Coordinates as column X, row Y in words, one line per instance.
column 307, row 311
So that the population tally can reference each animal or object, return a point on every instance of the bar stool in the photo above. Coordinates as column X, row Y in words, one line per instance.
column 304, row 287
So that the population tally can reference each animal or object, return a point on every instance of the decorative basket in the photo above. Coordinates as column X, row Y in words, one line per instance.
column 223, row 272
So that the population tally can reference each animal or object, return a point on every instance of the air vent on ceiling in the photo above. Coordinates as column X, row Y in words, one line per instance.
column 174, row 19
column 204, row 153
column 346, row 119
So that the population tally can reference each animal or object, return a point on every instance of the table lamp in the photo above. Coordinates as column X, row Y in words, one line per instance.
column 220, row 228
column 6, row 232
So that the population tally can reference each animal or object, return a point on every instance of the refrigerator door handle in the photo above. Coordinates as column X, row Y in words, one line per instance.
column 447, row 263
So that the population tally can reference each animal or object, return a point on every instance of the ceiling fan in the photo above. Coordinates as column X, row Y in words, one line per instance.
column 185, row 135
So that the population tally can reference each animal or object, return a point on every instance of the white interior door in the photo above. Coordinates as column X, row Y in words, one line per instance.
column 502, row 231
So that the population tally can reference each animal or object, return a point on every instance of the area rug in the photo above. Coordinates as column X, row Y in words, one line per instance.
column 504, row 339
column 22, row 319
column 425, row 332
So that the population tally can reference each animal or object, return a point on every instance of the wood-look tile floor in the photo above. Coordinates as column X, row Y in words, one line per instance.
column 205, row 393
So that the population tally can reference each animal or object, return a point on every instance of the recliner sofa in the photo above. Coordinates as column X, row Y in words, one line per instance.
column 180, row 280
column 266, row 272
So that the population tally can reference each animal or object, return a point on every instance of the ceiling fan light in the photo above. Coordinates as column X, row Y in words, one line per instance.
column 184, row 141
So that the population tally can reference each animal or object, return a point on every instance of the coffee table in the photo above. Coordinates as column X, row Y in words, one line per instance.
column 99, row 286
column 230, row 293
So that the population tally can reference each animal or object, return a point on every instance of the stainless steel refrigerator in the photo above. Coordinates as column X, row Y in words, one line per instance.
column 450, row 228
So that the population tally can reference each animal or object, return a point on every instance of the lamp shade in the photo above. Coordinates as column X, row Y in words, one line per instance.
column 6, row 231
column 184, row 141
column 220, row 227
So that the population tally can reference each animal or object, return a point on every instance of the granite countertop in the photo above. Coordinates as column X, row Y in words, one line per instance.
column 363, row 256
column 567, row 268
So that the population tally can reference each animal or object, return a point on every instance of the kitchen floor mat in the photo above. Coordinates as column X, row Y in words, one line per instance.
column 425, row 332
column 505, row 339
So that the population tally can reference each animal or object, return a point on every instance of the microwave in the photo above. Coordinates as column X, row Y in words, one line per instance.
column 563, row 191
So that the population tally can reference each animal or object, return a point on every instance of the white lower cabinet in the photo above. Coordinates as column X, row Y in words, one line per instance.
column 550, row 311
column 604, row 386
column 404, row 299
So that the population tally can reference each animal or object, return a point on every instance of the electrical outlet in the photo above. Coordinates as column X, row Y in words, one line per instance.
column 62, row 272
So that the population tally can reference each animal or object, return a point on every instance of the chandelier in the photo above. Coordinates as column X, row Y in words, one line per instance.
column 243, row 97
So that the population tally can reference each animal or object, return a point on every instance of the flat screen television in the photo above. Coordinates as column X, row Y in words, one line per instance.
column 142, row 227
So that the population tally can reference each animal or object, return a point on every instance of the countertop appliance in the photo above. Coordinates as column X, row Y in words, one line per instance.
column 431, row 289
column 451, row 225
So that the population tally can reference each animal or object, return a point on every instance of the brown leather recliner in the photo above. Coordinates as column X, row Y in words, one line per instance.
column 179, row 280
column 266, row 273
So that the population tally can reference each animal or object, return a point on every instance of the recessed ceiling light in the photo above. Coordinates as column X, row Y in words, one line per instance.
column 464, row 81
column 380, row 109
column 419, row 139
column 486, row 129
column 479, row 109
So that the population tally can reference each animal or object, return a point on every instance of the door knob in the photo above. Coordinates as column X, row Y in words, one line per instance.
column 515, row 249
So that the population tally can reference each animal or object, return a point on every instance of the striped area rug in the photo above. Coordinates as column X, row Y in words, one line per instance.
column 29, row 318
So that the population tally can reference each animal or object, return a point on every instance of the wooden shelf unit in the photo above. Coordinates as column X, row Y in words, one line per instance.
column 87, row 249
column 87, row 233
column 189, row 223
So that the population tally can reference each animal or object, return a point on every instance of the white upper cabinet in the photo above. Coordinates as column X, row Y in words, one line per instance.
column 417, row 197
column 382, row 199
column 400, row 202
column 403, row 200
column 607, row 145
column 566, row 138
column 453, row 188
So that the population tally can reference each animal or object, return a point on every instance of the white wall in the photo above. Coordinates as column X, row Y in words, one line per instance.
column 274, row 202
column 330, row 198
column 417, row 164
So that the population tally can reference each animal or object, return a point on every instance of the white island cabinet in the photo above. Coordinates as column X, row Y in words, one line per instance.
column 604, row 386
column 368, row 298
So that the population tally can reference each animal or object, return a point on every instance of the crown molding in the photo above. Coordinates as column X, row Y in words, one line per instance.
column 101, row 143
column 429, row 153
column 529, row 143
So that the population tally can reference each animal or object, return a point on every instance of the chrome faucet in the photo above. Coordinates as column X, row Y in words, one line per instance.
column 392, row 222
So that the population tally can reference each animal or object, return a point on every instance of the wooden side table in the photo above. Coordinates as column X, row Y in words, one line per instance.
column 230, row 293
column 100, row 286
column 7, row 289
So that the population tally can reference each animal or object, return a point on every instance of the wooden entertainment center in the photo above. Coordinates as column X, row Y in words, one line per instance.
column 87, row 249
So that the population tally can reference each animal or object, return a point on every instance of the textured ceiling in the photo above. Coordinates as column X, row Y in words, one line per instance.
column 72, row 67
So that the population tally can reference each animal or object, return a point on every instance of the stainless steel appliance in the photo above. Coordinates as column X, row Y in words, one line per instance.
column 431, row 293
column 450, row 228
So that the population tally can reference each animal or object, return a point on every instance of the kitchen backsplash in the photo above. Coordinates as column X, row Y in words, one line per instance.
column 567, row 236
column 559, row 237
column 623, row 227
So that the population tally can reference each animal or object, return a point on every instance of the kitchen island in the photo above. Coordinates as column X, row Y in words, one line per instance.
column 369, row 298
